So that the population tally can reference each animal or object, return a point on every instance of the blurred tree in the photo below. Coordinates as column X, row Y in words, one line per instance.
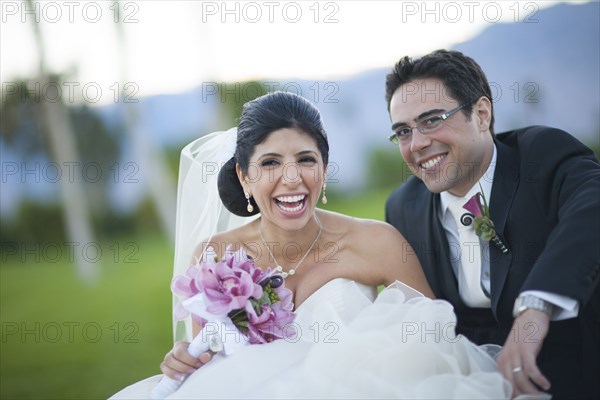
column 99, row 154
column 21, row 124
column 233, row 96
column 30, row 227
column 56, row 125
column 22, row 130
column 387, row 169
column 159, row 179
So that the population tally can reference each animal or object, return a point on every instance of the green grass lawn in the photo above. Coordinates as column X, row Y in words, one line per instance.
column 369, row 204
column 61, row 339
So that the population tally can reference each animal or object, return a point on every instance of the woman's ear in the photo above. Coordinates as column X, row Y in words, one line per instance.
column 241, row 177
column 483, row 111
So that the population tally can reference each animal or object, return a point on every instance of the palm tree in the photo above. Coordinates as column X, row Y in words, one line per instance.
column 62, row 145
column 160, row 181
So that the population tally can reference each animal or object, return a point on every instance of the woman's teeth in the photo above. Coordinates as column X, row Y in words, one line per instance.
column 291, row 199
column 290, row 203
column 430, row 163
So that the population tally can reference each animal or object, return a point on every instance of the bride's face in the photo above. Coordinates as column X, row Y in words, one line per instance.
column 285, row 177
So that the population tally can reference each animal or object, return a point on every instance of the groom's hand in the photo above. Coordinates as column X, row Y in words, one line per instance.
column 178, row 363
column 517, row 361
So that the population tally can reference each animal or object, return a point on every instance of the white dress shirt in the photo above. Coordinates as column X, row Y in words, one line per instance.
column 565, row 307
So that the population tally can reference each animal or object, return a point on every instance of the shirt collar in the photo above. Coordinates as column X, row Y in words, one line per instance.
column 446, row 198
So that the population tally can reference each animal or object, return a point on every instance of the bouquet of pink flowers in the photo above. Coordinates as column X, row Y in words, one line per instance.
column 256, row 302
column 231, row 293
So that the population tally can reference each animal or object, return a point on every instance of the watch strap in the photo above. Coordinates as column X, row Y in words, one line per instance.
column 529, row 301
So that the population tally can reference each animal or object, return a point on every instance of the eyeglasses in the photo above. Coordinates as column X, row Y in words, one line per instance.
column 424, row 126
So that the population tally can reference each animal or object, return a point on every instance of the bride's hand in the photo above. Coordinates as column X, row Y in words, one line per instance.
column 178, row 362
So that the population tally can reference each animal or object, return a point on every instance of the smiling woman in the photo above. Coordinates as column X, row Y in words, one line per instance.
column 298, row 166
column 257, row 162
column 278, row 171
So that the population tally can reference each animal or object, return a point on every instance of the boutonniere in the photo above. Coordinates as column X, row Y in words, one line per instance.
column 482, row 222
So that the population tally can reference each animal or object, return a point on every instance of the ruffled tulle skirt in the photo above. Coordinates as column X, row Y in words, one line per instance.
column 402, row 345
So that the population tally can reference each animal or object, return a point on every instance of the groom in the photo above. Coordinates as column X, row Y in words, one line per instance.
column 534, row 287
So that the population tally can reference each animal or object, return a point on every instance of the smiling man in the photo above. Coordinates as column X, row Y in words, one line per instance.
column 532, row 286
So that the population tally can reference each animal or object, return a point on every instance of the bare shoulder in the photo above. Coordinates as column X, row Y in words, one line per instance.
column 382, row 239
column 380, row 253
column 380, row 229
column 369, row 228
column 220, row 241
column 368, row 236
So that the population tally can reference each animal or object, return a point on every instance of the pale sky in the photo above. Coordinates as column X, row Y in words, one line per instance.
column 173, row 46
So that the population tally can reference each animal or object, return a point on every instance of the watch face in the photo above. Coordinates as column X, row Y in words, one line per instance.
column 517, row 309
column 521, row 304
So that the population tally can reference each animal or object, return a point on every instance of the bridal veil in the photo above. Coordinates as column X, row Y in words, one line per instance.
column 200, row 211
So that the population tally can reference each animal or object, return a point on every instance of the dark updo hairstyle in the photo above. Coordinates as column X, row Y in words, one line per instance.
column 463, row 78
column 260, row 117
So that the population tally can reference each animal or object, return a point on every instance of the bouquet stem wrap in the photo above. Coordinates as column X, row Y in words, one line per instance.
column 218, row 334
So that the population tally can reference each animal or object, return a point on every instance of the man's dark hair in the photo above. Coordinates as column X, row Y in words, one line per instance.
column 463, row 78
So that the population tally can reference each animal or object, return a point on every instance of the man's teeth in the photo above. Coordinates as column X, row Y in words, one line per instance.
column 432, row 162
column 291, row 199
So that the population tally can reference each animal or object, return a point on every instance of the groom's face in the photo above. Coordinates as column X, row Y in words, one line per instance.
column 450, row 157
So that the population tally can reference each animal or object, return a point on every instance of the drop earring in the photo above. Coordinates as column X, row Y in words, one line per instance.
column 249, row 207
column 324, row 198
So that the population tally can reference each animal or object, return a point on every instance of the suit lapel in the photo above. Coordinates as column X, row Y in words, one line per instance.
column 506, row 182
column 442, row 268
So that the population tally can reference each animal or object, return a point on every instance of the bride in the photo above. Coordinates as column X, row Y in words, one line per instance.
column 351, row 343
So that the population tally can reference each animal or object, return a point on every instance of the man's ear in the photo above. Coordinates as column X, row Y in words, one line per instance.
column 242, row 178
column 483, row 111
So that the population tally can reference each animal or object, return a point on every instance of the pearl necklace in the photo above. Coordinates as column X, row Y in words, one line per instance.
column 292, row 271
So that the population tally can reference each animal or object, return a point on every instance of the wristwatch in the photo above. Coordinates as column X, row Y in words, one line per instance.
column 528, row 301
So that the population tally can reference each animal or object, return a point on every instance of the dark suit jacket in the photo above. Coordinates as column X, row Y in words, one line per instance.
column 545, row 204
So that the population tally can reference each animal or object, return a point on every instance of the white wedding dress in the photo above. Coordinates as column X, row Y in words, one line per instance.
column 352, row 345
